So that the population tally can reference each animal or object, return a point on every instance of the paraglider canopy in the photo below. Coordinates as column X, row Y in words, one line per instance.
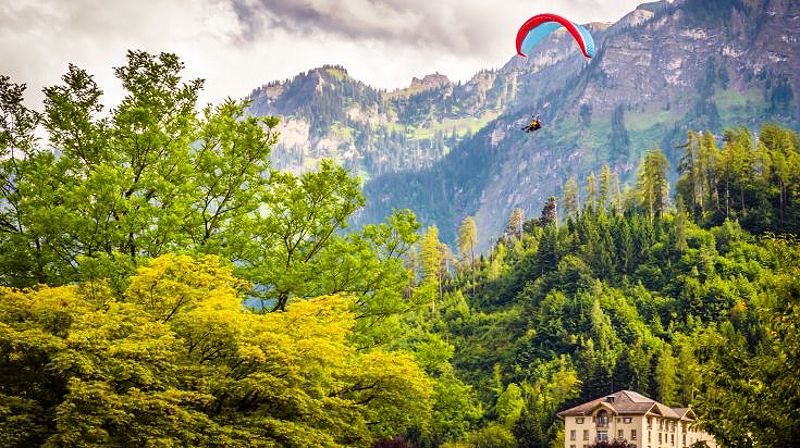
column 539, row 26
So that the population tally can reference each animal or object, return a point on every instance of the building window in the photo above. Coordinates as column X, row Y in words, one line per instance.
column 633, row 434
column 579, row 420
column 672, row 439
column 572, row 446
column 602, row 418
column 572, row 435
column 648, row 437
column 649, row 422
column 621, row 433
column 585, row 434
column 626, row 420
column 659, row 437
column 602, row 435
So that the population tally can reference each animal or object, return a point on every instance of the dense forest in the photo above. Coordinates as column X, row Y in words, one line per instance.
column 163, row 285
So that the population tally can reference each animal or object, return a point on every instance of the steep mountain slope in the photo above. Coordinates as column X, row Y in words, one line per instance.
column 448, row 150
column 661, row 70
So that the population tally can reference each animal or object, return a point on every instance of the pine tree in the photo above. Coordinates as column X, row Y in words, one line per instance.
column 515, row 222
column 571, row 195
column 688, row 168
column 653, row 184
column 467, row 241
column 550, row 212
column 707, row 171
column 618, row 201
column 591, row 190
column 431, row 259
column 605, row 186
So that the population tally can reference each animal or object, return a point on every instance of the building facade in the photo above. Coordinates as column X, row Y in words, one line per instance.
column 630, row 416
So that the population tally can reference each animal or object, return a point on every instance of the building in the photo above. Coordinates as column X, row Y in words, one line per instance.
column 631, row 416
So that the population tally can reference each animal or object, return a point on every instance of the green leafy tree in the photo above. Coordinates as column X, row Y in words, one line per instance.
column 510, row 405
column 283, row 244
column 738, row 375
column 666, row 377
column 149, row 177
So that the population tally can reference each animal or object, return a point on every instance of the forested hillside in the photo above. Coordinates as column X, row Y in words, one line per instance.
column 692, row 304
column 162, row 284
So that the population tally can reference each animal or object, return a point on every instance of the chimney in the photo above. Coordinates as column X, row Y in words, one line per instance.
column 610, row 398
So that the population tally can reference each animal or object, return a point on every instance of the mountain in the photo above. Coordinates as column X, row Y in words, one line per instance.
column 450, row 150
column 328, row 114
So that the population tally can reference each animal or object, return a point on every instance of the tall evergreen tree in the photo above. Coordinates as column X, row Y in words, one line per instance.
column 616, row 190
column 571, row 196
column 432, row 257
column 653, row 184
column 467, row 241
column 550, row 212
column 591, row 190
column 515, row 222
column 605, row 186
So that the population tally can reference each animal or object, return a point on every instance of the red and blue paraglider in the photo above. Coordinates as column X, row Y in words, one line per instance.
column 537, row 28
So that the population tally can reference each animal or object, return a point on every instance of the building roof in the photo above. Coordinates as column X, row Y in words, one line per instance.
column 626, row 402
column 685, row 413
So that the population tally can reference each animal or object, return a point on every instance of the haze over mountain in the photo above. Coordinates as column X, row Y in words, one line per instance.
column 448, row 150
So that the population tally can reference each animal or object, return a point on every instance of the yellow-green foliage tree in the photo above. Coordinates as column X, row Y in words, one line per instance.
column 177, row 361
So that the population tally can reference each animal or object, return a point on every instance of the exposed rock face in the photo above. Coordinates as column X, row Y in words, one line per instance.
column 448, row 150
column 430, row 82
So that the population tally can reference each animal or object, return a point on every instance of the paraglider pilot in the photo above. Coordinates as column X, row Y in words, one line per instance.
column 535, row 125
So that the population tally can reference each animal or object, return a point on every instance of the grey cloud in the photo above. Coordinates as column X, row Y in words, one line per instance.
column 453, row 25
column 235, row 43
column 447, row 24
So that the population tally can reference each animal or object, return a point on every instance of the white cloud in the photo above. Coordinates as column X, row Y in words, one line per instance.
column 237, row 45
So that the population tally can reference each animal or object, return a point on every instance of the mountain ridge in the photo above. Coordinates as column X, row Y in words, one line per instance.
column 454, row 149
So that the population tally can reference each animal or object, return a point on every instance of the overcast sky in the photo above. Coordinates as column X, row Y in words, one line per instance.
column 237, row 45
